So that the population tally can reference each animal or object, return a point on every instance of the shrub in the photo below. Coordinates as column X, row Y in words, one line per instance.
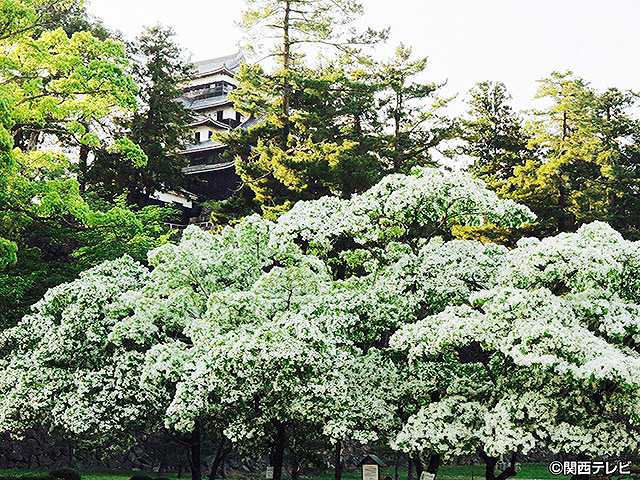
column 140, row 477
column 65, row 474
column 28, row 477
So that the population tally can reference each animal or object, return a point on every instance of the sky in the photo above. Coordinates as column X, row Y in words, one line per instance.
column 514, row 41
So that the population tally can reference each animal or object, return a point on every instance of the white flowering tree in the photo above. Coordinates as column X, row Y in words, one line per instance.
column 259, row 358
column 406, row 209
column 249, row 335
column 391, row 269
column 99, row 358
column 546, row 355
column 305, row 312
column 59, row 367
column 265, row 329
column 180, row 300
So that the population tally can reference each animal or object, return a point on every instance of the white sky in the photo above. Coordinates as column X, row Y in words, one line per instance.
column 515, row 41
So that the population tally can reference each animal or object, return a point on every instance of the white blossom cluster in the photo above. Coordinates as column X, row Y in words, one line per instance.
column 347, row 319
column 420, row 205
column 552, row 338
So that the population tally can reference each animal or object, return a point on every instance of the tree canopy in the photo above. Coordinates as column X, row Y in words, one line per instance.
column 57, row 91
column 489, row 308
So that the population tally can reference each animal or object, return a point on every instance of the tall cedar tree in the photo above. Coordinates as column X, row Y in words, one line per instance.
column 577, row 161
column 160, row 126
column 496, row 141
column 589, row 157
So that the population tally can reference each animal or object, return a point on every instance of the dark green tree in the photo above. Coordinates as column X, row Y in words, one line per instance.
column 160, row 125
column 589, row 156
column 76, row 18
column 333, row 136
column 412, row 112
column 576, row 161
column 310, row 140
column 493, row 134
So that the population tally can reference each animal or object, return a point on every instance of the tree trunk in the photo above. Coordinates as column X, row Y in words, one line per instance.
column 337, row 459
column 397, row 118
column 410, row 468
column 295, row 467
column 396, row 468
column 419, row 467
column 70, row 454
column 490, row 467
column 195, row 459
column 218, row 460
column 83, row 167
column 286, row 66
column 434, row 463
column 277, row 452
column 564, row 218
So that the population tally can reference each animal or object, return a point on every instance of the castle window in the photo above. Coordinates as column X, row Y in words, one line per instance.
column 197, row 137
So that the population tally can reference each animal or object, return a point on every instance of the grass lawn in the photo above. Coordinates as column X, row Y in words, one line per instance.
column 462, row 472
column 528, row 470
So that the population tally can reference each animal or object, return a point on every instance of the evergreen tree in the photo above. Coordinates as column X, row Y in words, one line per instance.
column 589, row 156
column 286, row 27
column 309, row 142
column 76, row 18
column 333, row 132
column 411, row 112
column 160, row 125
column 493, row 133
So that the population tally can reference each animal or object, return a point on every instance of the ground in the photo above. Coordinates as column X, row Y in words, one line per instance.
column 450, row 472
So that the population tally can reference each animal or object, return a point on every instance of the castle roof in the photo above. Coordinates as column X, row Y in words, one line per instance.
column 250, row 122
column 230, row 63
column 205, row 146
column 207, row 120
column 205, row 103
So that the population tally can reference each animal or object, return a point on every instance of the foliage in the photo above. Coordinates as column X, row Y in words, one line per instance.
column 542, row 354
column 246, row 330
column 65, row 350
column 53, row 82
column 8, row 255
column 56, row 86
column 313, row 138
column 494, row 134
column 575, row 163
column 412, row 113
column 150, row 161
